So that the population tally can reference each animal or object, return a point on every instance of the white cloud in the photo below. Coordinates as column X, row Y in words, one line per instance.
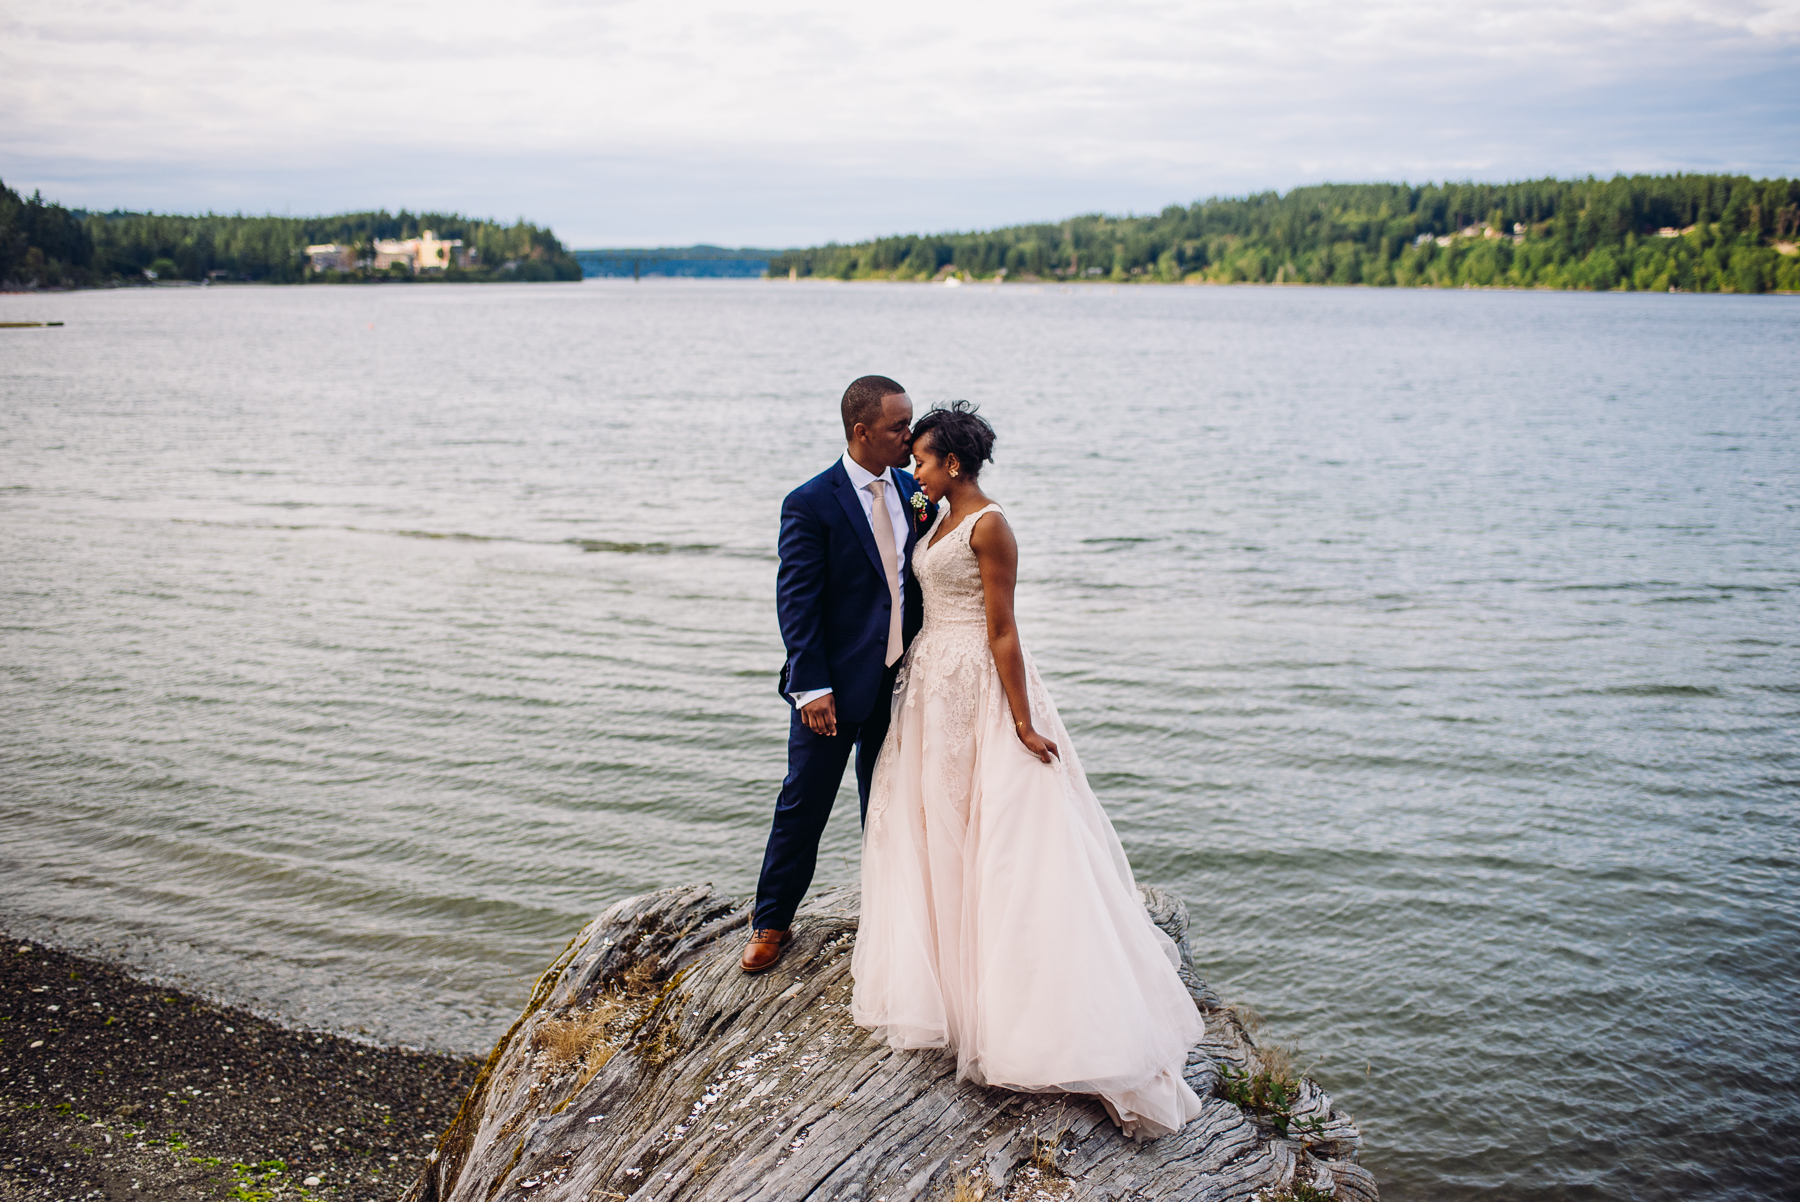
column 795, row 120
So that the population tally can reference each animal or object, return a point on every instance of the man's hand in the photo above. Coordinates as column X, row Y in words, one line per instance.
column 820, row 715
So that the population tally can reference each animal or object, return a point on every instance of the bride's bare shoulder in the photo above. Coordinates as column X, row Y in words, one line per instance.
column 990, row 532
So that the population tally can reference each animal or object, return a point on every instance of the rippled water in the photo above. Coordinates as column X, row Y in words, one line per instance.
column 1439, row 648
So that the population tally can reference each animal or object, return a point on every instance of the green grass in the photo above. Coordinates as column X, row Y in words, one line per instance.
column 1296, row 1191
column 257, row 1182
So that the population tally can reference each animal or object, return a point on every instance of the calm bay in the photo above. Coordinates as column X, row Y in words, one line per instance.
column 1442, row 649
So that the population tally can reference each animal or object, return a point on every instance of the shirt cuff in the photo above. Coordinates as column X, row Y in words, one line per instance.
column 807, row 697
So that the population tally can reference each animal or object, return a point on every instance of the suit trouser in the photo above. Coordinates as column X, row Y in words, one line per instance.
column 815, row 770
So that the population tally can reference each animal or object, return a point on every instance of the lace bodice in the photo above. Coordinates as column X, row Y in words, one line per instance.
column 949, row 577
column 948, row 670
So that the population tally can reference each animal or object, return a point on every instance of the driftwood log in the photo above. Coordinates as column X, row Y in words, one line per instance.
column 648, row 1066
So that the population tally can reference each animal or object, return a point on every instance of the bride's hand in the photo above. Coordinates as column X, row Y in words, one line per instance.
column 1037, row 744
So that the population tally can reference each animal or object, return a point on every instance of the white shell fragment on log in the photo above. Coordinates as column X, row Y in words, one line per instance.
column 647, row 1065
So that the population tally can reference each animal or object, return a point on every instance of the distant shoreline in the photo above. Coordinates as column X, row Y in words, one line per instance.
column 1140, row 283
column 1640, row 233
column 44, row 245
column 969, row 282
column 153, row 285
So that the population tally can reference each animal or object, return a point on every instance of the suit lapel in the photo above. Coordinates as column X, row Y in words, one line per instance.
column 859, row 521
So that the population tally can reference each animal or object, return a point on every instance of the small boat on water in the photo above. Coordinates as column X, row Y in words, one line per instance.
column 953, row 281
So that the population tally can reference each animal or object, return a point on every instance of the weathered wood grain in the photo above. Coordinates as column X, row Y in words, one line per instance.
column 648, row 1066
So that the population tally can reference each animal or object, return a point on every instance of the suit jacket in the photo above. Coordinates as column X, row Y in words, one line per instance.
column 831, row 595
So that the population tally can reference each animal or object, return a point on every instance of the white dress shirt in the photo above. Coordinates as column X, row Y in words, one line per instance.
column 860, row 479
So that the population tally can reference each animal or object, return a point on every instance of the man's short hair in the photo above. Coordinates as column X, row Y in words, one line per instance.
column 862, row 401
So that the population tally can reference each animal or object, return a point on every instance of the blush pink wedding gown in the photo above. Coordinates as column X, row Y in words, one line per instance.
column 999, row 915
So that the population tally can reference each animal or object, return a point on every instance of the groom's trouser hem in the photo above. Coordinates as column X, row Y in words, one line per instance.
column 815, row 771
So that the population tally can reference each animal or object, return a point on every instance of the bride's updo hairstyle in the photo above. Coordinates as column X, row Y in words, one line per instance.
column 956, row 429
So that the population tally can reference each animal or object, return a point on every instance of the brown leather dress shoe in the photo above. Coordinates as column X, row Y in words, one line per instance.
column 764, row 949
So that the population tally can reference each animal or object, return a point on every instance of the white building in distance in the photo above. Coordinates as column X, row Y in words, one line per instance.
column 425, row 253
column 331, row 256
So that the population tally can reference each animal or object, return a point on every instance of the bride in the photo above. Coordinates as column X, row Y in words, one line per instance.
column 999, row 915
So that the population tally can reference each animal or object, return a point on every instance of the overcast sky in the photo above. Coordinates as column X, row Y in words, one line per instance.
column 789, row 122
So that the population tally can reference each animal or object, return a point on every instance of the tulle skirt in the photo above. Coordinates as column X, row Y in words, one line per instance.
column 999, row 915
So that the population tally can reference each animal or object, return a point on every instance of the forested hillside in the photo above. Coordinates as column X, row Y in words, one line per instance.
column 1702, row 233
column 42, row 244
column 46, row 245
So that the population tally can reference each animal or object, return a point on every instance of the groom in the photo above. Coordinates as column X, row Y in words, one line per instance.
column 848, row 606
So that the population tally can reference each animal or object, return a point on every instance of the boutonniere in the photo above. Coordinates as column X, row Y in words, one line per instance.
column 921, row 507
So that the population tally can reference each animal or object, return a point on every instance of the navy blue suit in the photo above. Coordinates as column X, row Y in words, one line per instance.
column 834, row 606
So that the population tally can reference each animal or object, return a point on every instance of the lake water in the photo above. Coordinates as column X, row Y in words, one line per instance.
column 1442, row 649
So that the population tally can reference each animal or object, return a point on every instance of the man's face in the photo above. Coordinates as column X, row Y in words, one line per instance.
column 891, row 437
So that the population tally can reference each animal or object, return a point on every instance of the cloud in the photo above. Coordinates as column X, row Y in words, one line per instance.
column 795, row 120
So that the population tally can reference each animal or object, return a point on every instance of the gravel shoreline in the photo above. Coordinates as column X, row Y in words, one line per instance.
column 111, row 1088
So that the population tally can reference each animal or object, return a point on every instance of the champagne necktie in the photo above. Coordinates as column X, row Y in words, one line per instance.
column 883, row 526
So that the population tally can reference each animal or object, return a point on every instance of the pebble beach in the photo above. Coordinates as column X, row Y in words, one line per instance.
column 115, row 1088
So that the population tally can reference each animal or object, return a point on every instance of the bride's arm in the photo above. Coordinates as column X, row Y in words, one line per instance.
column 997, row 554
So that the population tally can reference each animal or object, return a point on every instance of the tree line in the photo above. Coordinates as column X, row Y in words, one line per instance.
column 45, row 245
column 1699, row 233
